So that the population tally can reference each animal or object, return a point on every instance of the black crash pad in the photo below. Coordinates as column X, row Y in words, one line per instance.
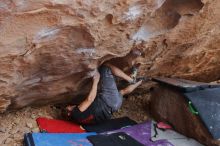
column 115, row 139
column 207, row 103
column 109, row 125
column 184, row 85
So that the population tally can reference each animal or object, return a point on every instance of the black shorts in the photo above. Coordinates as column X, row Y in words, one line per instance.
column 107, row 101
column 97, row 112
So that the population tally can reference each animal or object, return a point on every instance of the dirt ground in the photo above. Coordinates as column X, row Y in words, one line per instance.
column 13, row 125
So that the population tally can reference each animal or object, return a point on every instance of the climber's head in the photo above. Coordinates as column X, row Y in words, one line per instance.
column 66, row 112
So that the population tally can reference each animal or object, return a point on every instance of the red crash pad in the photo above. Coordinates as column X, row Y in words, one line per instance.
column 58, row 126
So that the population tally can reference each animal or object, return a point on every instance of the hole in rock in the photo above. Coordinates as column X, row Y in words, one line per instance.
column 184, row 6
column 109, row 18
column 166, row 17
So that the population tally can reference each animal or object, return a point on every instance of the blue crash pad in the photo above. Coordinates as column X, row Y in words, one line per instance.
column 207, row 103
column 57, row 139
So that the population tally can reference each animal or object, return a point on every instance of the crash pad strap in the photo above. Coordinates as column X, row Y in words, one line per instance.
column 192, row 109
column 28, row 140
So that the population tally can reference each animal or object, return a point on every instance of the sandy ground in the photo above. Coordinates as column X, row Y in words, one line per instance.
column 13, row 125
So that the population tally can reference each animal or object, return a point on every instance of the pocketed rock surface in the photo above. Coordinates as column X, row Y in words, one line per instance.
column 50, row 48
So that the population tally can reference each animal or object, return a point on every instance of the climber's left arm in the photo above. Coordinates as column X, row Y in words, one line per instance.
column 92, row 94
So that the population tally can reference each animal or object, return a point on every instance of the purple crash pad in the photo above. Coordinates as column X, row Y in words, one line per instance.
column 142, row 133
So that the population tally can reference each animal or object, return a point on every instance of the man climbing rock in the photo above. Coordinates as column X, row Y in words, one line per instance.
column 101, row 103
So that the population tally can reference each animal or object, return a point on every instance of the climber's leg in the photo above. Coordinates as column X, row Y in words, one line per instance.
column 108, row 89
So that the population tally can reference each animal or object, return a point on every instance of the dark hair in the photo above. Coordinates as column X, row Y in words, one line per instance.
column 64, row 114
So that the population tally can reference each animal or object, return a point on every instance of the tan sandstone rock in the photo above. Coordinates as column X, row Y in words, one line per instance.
column 50, row 48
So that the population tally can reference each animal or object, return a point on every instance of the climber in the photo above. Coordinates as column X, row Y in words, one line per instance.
column 100, row 104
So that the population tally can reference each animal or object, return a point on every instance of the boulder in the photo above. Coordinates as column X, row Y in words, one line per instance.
column 169, row 105
column 49, row 49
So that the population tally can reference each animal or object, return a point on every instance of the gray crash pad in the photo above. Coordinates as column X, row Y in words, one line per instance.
column 207, row 103
column 184, row 85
